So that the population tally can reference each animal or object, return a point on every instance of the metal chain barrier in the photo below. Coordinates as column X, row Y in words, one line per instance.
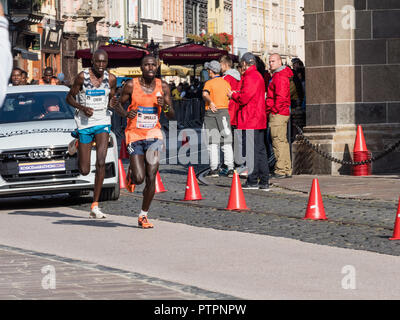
column 300, row 137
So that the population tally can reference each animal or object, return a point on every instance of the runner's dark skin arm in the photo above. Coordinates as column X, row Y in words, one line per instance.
column 74, row 91
column 124, row 98
column 166, row 101
column 113, row 101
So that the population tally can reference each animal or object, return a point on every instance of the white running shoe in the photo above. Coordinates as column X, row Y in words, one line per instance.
column 95, row 213
column 73, row 147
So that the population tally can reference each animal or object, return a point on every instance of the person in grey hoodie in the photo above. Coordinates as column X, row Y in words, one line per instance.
column 5, row 55
column 232, row 76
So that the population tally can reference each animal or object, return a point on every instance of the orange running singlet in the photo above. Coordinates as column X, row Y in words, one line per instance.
column 146, row 125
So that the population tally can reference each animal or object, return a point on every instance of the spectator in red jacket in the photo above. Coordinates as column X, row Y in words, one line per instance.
column 278, row 110
column 252, row 119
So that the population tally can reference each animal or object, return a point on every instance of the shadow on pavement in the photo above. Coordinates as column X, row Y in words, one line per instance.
column 94, row 223
column 53, row 214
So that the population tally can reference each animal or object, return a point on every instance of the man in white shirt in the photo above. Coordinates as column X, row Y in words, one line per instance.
column 5, row 55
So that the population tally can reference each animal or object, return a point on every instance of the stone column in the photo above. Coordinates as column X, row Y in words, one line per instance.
column 352, row 78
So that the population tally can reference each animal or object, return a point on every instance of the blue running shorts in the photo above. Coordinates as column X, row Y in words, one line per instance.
column 87, row 135
column 140, row 147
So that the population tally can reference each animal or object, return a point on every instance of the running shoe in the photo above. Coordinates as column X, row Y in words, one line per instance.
column 230, row 173
column 223, row 172
column 144, row 223
column 264, row 187
column 212, row 174
column 73, row 147
column 95, row 213
column 248, row 186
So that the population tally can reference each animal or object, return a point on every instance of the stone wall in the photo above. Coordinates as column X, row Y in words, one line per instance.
column 352, row 78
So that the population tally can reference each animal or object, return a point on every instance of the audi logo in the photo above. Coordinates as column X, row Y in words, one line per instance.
column 40, row 154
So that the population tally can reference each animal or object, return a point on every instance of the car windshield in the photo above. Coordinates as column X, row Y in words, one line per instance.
column 35, row 106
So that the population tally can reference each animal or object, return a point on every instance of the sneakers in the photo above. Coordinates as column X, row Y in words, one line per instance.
column 248, row 186
column 264, row 187
column 95, row 213
column 212, row 174
column 230, row 173
column 144, row 223
column 73, row 147
column 226, row 173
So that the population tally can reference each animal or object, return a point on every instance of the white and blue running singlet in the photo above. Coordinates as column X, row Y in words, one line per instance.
column 95, row 98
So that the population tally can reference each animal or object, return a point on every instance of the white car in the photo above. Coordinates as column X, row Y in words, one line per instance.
column 34, row 155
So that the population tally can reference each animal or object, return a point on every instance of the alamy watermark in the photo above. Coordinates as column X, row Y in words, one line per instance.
column 349, row 280
column 348, row 17
column 49, row 280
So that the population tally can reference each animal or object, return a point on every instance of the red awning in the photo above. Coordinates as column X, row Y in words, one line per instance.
column 191, row 53
column 118, row 56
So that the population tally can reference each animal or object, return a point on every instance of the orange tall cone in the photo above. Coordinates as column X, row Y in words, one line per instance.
column 396, row 231
column 192, row 187
column 123, row 153
column 122, row 175
column 236, row 197
column 159, row 185
column 315, row 207
column 360, row 144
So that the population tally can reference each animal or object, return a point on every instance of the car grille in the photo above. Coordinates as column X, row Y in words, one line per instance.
column 10, row 164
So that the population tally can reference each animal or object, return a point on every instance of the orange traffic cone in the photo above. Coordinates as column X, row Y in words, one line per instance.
column 361, row 153
column 315, row 207
column 236, row 197
column 123, row 153
column 396, row 231
column 159, row 185
column 192, row 187
column 360, row 145
column 122, row 175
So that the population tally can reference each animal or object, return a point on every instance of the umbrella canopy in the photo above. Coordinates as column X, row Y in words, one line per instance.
column 190, row 54
column 165, row 71
column 118, row 56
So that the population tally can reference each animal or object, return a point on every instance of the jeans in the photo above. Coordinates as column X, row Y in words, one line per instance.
column 260, row 172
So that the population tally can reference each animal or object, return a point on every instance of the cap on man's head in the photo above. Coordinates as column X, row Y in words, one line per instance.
column 249, row 58
column 214, row 66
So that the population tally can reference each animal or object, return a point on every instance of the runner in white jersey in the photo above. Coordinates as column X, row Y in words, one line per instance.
column 95, row 89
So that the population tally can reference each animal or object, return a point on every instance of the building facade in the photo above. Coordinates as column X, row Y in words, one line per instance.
column 353, row 72
column 274, row 26
column 35, row 35
column 239, row 25
column 86, row 25
column 196, row 21
column 220, row 17
column 173, row 22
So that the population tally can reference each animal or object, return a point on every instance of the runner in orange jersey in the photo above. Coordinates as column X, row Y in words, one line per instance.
column 149, row 97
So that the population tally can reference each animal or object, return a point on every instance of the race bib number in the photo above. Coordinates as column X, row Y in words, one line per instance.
column 96, row 99
column 147, row 117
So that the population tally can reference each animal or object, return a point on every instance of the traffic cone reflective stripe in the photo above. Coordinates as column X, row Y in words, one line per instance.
column 315, row 207
column 396, row 231
column 123, row 153
column 236, row 197
column 122, row 175
column 159, row 185
column 192, row 187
